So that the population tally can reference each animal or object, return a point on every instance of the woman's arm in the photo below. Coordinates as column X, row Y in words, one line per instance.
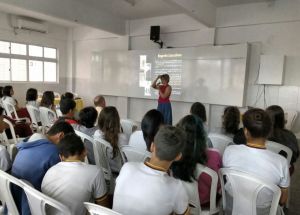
column 154, row 83
column 167, row 92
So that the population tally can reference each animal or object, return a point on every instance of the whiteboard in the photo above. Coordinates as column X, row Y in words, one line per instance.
column 209, row 74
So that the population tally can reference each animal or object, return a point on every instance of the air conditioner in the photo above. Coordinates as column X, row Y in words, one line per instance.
column 30, row 25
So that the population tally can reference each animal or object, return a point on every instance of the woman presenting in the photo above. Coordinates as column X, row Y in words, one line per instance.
column 164, row 90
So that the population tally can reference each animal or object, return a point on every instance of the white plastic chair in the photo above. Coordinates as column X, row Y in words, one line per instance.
column 277, row 147
column 58, row 112
column 290, row 117
column 85, row 138
column 245, row 189
column 220, row 141
column 192, row 191
column 128, row 126
column 5, row 192
column 94, row 209
column 38, row 202
column 137, row 141
column 133, row 154
column 9, row 109
column 48, row 117
column 34, row 113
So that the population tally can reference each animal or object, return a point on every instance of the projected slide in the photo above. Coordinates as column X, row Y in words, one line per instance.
column 170, row 63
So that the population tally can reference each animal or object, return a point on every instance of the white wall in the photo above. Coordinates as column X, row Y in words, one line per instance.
column 176, row 31
column 273, row 29
column 57, row 38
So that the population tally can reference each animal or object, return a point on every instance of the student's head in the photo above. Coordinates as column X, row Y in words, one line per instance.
column 168, row 143
column 1, row 92
column 31, row 94
column 109, row 124
column 194, row 149
column 257, row 124
column 151, row 122
column 276, row 114
column 67, row 107
column 165, row 78
column 71, row 146
column 67, row 95
column 198, row 109
column 8, row 91
column 58, row 131
column 47, row 99
column 99, row 101
column 88, row 117
column 231, row 119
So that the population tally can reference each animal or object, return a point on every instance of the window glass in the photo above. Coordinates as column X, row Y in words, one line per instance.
column 4, row 69
column 18, row 70
column 35, row 51
column 49, row 72
column 50, row 53
column 17, row 48
column 4, row 47
column 35, row 70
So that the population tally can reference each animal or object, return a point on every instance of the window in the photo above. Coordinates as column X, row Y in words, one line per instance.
column 22, row 62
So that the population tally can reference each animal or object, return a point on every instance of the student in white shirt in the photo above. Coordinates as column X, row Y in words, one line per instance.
column 72, row 181
column 146, row 188
column 5, row 162
column 31, row 97
column 110, row 130
column 255, row 159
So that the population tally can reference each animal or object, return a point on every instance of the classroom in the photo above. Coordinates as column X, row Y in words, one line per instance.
column 221, row 53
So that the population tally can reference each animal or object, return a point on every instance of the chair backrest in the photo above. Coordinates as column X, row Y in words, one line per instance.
column 48, row 117
column 85, row 138
column 128, row 126
column 133, row 154
column 137, row 140
column 5, row 192
column 34, row 113
column 245, row 189
column 192, row 190
column 38, row 202
column 290, row 117
column 277, row 147
column 58, row 112
column 94, row 209
column 220, row 141
column 12, row 131
column 9, row 109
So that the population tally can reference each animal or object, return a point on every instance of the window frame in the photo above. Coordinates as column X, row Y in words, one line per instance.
column 28, row 58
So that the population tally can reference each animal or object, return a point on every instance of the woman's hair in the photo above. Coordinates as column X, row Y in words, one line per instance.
column 276, row 114
column 198, row 109
column 88, row 117
column 257, row 122
column 1, row 92
column 7, row 90
column 151, row 122
column 31, row 94
column 194, row 150
column 109, row 124
column 47, row 99
column 67, row 95
column 165, row 77
column 231, row 119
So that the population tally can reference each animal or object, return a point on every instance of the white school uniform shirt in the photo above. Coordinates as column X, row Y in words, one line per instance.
column 259, row 162
column 143, row 190
column 137, row 141
column 10, row 100
column 73, row 183
column 5, row 162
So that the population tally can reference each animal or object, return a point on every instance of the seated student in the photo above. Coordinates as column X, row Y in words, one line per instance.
column 198, row 109
column 231, row 123
column 31, row 97
column 110, row 130
column 99, row 102
column 195, row 151
column 8, row 92
column 151, row 122
column 36, row 155
column 5, row 162
column 255, row 159
column 87, row 119
column 48, row 100
column 147, row 188
column 67, row 108
column 72, row 181
column 67, row 95
column 281, row 135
